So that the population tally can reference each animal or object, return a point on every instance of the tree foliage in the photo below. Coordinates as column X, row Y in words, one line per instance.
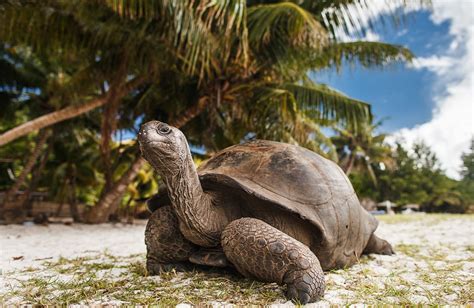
column 467, row 173
column 416, row 178
column 224, row 71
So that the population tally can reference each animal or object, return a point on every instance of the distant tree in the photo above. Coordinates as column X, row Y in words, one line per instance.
column 416, row 177
column 466, row 185
column 467, row 169
column 362, row 149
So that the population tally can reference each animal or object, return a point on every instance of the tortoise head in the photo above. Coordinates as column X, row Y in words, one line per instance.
column 163, row 146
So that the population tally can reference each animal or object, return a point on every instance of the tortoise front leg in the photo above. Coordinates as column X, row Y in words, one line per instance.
column 264, row 252
column 166, row 247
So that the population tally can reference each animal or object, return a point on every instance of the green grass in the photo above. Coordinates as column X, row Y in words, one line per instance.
column 85, row 280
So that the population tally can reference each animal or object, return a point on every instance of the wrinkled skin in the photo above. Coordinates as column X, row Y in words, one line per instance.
column 230, row 223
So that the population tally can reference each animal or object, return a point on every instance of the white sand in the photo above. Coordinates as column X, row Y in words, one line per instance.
column 439, row 243
column 32, row 244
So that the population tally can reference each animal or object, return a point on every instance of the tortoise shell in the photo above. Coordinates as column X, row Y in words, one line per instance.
column 304, row 183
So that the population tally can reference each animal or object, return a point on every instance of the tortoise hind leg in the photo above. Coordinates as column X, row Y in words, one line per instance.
column 264, row 252
column 167, row 248
column 378, row 246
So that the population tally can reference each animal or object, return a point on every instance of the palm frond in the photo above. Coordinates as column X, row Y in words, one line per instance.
column 351, row 18
column 367, row 54
column 326, row 104
column 196, row 26
column 279, row 30
column 97, row 32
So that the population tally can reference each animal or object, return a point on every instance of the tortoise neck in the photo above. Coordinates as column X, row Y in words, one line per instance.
column 199, row 221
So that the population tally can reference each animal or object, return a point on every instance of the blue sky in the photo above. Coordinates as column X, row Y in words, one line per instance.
column 400, row 95
column 431, row 99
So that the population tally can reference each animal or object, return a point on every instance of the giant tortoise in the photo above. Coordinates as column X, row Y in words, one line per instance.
column 276, row 212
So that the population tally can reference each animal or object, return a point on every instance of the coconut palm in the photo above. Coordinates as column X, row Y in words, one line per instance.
column 362, row 148
column 112, row 50
column 32, row 158
column 239, row 58
column 283, row 37
column 284, row 43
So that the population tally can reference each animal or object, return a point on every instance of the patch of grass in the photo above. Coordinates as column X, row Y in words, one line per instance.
column 137, row 268
column 408, row 249
column 91, row 279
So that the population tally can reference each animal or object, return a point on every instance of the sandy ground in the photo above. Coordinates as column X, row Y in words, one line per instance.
column 25, row 246
column 434, row 263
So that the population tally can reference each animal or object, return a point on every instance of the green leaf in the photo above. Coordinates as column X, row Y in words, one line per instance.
column 327, row 104
column 367, row 54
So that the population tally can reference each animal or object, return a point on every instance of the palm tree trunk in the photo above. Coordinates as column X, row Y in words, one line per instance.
column 109, row 122
column 191, row 113
column 50, row 119
column 101, row 211
column 109, row 202
column 27, row 203
column 61, row 115
column 41, row 140
column 76, row 216
column 349, row 165
column 372, row 174
column 108, row 126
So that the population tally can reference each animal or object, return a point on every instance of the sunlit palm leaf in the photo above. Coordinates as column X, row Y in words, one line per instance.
column 193, row 24
column 367, row 54
column 280, row 30
column 325, row 103
column 349, row 18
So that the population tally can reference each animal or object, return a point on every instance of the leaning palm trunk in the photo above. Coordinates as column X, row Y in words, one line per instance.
column 349, row 165
column 41, row 140
column 27, row 203
column 110, row 201
column 50, row 119
column 63, row 114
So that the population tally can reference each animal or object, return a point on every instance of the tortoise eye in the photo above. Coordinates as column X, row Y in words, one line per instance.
column 164, row 129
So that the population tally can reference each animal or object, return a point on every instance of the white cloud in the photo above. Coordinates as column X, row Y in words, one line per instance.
column 371, row 36
column 451, row 127
column 435, row 64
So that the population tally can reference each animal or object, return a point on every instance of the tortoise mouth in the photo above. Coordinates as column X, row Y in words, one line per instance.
column 146, row 142
column 150, row 144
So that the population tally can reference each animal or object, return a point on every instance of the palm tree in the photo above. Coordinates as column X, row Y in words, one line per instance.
column 112, row 50
column 97, row 32
column 31, row 161
column 237, row 79
column 283, row 36
column 71, row 173
column 362, row 148
column 285, row 41
column 239, row 58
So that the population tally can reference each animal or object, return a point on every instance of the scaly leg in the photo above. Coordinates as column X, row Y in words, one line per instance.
column 167, row 248
column 264, row 252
